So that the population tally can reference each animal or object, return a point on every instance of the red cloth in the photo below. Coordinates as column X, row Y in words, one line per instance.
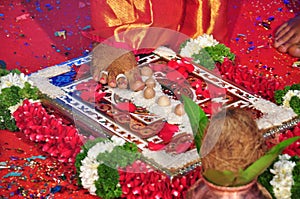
column 38, row 176
column 190, row 17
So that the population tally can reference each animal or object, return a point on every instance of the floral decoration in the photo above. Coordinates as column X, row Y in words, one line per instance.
column 166, row 134
column 126, row 177
column 140, row 180
column 289, row 97
column 110, row 168
column 206, row 51
column 193, row 46
column 57, row 139
column 99, row 162
column 14, row 88
column 243, row 76
column 293, row 149
column 182, row 68
column 282, row 178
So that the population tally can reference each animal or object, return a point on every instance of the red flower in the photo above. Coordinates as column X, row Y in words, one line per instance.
column 156, row 147
column 251, row 81
column 57, row 139
column 181, row 67
column 167, row 132
column 141, row 181
column 173, row 64
column 293, row 149
column 203, row 92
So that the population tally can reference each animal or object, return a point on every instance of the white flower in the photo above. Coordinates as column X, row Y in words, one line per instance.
column 15, row 107
column 88, row 170
column 13, row 79
column 282, row 181
column 89, row 174
column 193, row 46
column 288, row 96
column 20, row 103
column 118, row 141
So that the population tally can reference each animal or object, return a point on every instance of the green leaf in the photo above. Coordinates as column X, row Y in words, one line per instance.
column 221, row 178
column 198, row 120
column 259, row 166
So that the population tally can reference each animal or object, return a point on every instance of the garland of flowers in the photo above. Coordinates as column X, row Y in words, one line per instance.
column 14, row 88
column 4, row 71
column 282, row 178
column 98, row 163
column 206, row 51
column 57, row 139
column 261, row 85
column 110, row 168
column 289, row 97
column 293, row 152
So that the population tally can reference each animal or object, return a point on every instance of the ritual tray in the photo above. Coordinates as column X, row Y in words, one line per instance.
column 103, row 120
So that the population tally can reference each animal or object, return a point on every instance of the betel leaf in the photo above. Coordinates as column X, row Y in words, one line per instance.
column 222, row 178
column 260, row 165
column 198, row 120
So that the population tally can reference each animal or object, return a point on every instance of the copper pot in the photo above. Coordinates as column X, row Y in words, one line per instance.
column 206, row 190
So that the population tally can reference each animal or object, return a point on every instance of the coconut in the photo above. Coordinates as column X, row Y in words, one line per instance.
column 232, row 141
column 115, row 61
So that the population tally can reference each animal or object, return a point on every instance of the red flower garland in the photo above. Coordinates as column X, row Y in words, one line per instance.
column 293, row 149
column 258, row 84
column 141, row 181
column 58, row 140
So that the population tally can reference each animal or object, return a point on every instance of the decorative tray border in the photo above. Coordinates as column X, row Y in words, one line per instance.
column 88, row 118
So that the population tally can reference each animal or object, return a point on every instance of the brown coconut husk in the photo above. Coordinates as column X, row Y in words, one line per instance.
column 238, row 141
column 113, row 60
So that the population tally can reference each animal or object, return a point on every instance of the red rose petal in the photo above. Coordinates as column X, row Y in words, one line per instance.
column 173, row 64
column 155, row 147
column 167, row 132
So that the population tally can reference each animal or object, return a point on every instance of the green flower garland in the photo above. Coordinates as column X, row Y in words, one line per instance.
column 294, row 101
column 6, row 121
column 265, row 178
column 210, row 55
column 206, row 51
column 4, row 72
column 107, row 185
column 80, row 156
column 11, row 96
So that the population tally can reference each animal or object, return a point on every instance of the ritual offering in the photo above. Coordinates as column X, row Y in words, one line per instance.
column 149, row 112
column 138, row 105
column 233, row 155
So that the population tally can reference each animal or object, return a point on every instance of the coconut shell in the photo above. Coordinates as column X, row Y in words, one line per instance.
column 111, row 59
column 232, row 141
